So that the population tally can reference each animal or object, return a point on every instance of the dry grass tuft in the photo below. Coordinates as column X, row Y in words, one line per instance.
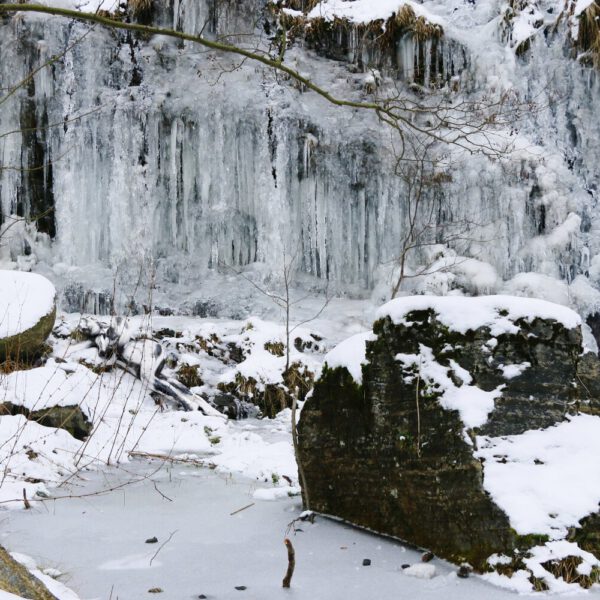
column 406, row 20
column 588, row 39
column 139, row 7
column 567, row 569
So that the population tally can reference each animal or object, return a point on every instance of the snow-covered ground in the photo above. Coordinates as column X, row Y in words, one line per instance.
column 97, row 542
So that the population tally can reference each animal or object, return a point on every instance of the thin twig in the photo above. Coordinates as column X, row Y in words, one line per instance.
column 163, row 545
column 163, row 495
column 239, row 510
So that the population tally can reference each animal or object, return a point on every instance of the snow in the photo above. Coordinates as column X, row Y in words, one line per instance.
column 54, row 384
column 351, row 354
column 472, row 403
column 126, row 419
column 462, row 314
column 61, row 591
column 581, row 5
column 365, row 11
column 420, row 571
column 24, row 299
column 512, row 371
column 544, row 479
column 537, row 556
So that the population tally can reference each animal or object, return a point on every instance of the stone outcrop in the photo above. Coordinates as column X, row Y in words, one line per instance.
column 388, row 452
column 16, row 579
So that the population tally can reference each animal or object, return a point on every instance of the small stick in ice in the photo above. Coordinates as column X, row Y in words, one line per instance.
column 25, row 501
column 287, row 580
column 239, row 510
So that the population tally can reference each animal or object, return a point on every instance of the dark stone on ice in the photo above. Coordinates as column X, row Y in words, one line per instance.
column 427, row 557
column 152, row 540
column 366, row 562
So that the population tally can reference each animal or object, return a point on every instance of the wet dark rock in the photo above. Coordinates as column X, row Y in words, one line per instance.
column 366, row 562
column 240, row 588
column 229, row 405
column 405, row 566
column 152, row 540
column 428, row 556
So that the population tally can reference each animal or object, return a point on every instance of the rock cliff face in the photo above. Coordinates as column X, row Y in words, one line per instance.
column 404, row 448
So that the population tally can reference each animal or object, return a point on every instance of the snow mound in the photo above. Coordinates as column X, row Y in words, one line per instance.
column 462, row 314
column 420, row 571
column 365, row 11
column 544, row 480
column 25, row 298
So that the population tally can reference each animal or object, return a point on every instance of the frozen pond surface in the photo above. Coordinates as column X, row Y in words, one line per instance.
column 98, row 542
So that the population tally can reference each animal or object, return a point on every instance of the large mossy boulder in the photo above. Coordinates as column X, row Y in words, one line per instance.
column 425, row 429
column 17, row 580
column 27, row 314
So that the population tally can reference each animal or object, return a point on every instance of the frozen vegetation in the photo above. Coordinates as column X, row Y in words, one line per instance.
column 170, row 177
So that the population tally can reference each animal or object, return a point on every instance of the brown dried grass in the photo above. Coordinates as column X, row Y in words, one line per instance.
column 588, row 39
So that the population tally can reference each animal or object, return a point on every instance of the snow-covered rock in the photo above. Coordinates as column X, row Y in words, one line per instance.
column 464, row 425
column 27, row 312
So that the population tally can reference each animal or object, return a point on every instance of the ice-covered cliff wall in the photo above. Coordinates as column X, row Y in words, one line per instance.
column 145, row 155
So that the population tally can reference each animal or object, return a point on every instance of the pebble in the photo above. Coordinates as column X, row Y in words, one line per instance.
column 240, row 588
column 366, row 562
column 152, row 540
column 427, row 557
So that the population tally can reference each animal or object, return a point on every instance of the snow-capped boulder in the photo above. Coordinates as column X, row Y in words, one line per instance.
column 462, row 425
column 27, row 313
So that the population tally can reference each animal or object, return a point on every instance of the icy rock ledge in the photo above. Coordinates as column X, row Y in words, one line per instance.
column 462, row 425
